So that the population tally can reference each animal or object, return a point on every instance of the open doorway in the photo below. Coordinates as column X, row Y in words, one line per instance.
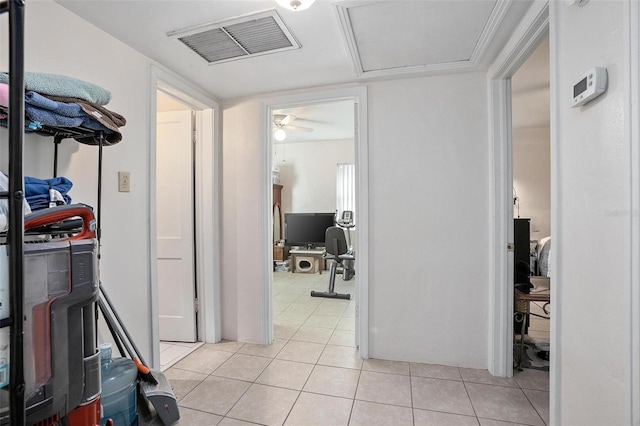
column 530, row 89
column 532, row 30
column 175, row 229
column 199, row 279
column 313, row 174
column 358, row 97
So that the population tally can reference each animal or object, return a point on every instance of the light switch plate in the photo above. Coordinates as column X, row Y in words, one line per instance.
column 124, row 182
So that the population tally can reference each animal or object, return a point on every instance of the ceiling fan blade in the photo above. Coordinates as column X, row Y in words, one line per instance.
column 287, row 119
column 304, row 129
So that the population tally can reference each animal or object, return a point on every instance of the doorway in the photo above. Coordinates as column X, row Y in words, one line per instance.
column 175, row 227
column 313, row 168
column 533, row 28
column 356, row 95
column 531, row 159
column 198, row 115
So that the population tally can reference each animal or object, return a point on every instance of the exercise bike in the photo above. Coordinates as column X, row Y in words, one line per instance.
column 339, row 251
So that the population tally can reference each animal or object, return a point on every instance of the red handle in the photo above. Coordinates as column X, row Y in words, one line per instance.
column 60, row 213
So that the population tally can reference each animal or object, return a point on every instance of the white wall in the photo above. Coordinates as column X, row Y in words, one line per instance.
column 428, row 154
column 428, row 211
column 308, row 173
column 59, row 42
column 241, row 221
column 532, row 178
column 592, row 149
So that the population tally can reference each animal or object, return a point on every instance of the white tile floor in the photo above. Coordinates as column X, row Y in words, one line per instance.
column 172, row 352
column 312, row 375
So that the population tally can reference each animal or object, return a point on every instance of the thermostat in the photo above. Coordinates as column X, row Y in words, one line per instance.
column 591, row 85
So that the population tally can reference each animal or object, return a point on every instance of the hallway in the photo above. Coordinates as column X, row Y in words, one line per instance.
column 312, row 375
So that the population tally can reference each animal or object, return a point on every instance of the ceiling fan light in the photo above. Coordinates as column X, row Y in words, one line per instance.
column 280, row 135
column 295, row 4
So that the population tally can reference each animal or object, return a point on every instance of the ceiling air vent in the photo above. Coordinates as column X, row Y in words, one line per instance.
column 244, row 37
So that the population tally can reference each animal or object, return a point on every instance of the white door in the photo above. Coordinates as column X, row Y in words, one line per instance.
column 175, row 226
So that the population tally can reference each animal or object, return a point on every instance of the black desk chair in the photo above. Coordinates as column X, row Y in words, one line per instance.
column 342, row 261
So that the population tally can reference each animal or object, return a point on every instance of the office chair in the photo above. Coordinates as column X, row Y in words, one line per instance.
column 342, row 261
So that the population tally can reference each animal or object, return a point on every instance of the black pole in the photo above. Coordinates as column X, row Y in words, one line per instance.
column 129, row 341
column 100, row 136
column 15, row 236
column 108, row 319
column 56, row 143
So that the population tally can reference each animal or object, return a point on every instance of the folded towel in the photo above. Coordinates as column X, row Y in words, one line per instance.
column 63, row 108
column 62, row 85
column 110, row 119
column 51, row 118
column 38, row 117
column 37, row 193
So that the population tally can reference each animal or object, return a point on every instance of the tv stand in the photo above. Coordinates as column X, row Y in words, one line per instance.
column 307, row 261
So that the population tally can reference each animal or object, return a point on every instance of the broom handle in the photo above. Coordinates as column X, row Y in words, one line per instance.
column 112, row 328
column 121, row 325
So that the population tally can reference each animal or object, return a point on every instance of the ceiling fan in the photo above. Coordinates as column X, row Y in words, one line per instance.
column 282, row 122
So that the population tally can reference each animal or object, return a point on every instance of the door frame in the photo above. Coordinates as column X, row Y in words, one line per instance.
column 634, row 135
column 525, row 39
column 207, row 202
column 359, row 95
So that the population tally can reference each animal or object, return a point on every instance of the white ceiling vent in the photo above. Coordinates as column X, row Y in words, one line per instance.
column 244, row 37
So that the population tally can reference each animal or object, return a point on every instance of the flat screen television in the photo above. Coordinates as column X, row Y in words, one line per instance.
column 306, row 229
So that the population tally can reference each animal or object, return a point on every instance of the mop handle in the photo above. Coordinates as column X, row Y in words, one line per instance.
column 112, row 328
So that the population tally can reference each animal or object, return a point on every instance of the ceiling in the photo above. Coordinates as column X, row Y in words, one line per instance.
column 340, row 41
column 328, row 121
column 333, row 42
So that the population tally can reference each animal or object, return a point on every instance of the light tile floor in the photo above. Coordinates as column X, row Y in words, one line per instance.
column 172, row 352
column 311, row 376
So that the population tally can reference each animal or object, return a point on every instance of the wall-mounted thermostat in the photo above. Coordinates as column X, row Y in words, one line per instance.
column 591, row 85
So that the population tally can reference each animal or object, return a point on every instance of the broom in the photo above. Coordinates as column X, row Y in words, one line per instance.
column 153, row 388
column 117, row 329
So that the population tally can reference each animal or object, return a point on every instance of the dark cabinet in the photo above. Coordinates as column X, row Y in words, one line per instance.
column 521, row 250
column 521, row 228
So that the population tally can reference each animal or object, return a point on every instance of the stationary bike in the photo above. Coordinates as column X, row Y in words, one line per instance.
column 346, row 223
column 341, row 254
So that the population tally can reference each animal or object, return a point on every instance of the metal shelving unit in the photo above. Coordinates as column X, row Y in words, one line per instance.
column 15, row 197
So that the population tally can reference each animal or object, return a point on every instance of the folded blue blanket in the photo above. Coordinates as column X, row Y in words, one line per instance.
column 37, row 190
column 62, row 85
